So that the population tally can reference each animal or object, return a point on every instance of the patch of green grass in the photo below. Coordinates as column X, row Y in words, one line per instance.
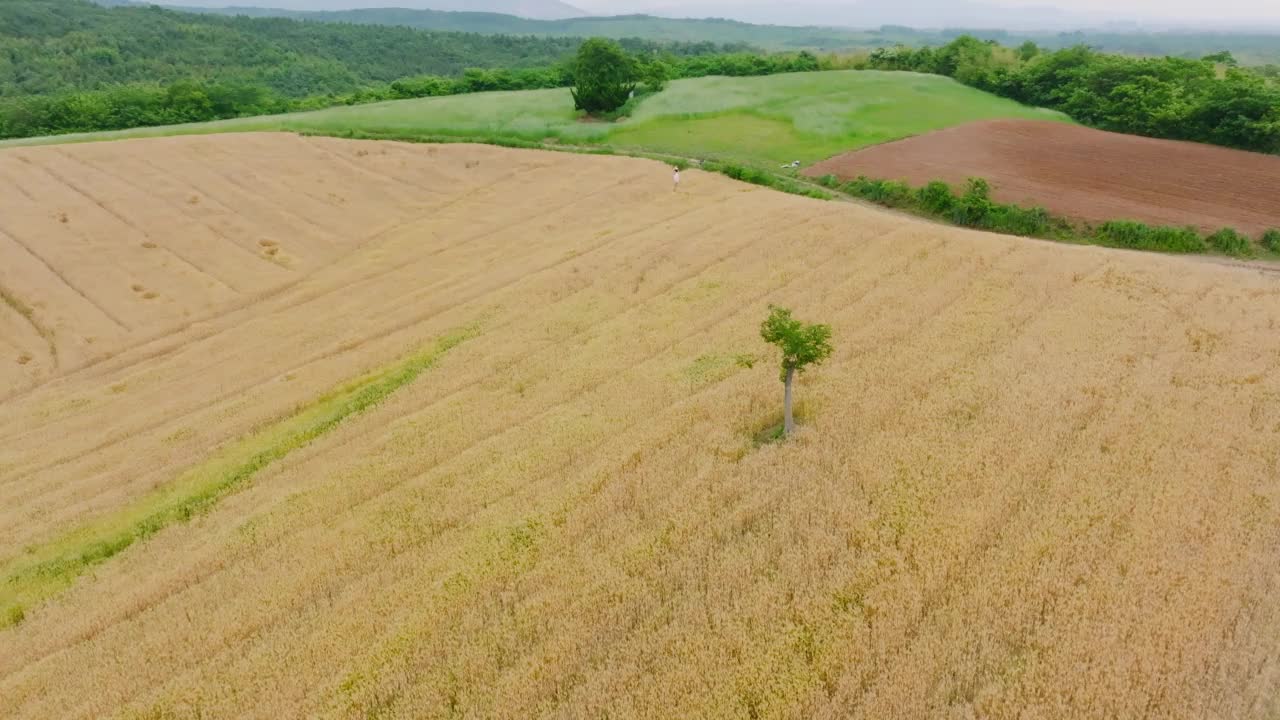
column 772, row 434
column 43, row 571
column 759, row 121
column 805, row 116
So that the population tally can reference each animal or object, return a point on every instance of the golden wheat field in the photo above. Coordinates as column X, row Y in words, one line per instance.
column 301, row 427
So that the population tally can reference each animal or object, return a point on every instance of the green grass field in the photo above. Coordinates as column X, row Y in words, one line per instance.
column 754, row 121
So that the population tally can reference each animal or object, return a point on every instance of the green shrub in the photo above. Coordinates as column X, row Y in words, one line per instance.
column 1271, row 240
column 885, row 192
column 1174, row 239
column 974, row 208
column 1031, row 222
column 936, row 197
column 749, row 175
column 1125, row 234
column 1228, row 241
column 1139, row 236
column 830, row 181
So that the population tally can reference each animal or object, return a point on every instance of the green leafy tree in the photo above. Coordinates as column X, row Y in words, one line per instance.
column 801, row 345
column 604, row 76
column 656, row 73
column 1223, row 58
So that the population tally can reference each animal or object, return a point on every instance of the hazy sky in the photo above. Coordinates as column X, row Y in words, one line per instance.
column 1012, row 14
column 1210, row 11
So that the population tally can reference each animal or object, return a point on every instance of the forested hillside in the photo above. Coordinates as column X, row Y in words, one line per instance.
column 72, row 66
column 617, row 27
column 1251, row 49
column 49, row 46
column 1207, row 100
column 539, row 9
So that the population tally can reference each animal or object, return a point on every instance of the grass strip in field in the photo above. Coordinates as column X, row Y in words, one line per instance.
column 741, row 173
column 43, row 571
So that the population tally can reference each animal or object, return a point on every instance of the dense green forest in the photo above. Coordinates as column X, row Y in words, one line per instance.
column 1252, row 49
column 770, row 37
column 50, row 46
column 146, row 105
column 1208, row 100
column 1247, row 48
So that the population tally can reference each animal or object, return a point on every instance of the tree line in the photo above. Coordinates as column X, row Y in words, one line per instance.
column 200, row 100
column 1211, row 100
column 52, row 46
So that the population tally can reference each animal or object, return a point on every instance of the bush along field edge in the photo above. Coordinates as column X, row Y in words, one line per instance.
column 974, row 208
column 936, row 200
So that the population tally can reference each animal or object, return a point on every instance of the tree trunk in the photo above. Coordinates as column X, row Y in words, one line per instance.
column 788, row 423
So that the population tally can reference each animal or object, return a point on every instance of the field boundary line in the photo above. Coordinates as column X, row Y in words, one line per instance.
column 121, row 218
column 28, row 313
column 58, row 274
column 180, row 211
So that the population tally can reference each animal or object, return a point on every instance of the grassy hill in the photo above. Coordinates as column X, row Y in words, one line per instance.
column 764, row 120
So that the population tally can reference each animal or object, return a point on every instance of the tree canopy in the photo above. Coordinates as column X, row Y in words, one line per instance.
column 801, row 345
column 1163, row 97
column 604, row 76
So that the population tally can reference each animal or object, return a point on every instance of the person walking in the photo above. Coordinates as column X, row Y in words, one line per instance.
column 676, row 178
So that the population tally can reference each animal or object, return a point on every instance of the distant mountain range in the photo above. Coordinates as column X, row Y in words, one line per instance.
column 535, row 9
column 873, row 13
column 829, row 28
column 825, row 14
column 1054, row 15
column 722, row 32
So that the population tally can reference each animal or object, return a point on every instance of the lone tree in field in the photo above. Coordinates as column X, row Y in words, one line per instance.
column 604, row 76
column 802, row 345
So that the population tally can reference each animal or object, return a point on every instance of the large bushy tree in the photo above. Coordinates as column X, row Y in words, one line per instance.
column 604, row 76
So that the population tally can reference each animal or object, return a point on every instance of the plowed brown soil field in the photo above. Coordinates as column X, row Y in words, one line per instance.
column 478, row 440
column 1085, row 174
